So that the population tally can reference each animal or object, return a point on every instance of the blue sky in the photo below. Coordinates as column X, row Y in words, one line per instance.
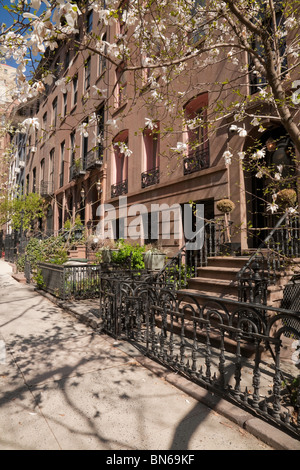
column 6, row 18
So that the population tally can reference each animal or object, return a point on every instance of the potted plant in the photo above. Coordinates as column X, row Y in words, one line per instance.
column 154, row 259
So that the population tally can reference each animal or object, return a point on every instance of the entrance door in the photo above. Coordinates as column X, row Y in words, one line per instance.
column 278, row 155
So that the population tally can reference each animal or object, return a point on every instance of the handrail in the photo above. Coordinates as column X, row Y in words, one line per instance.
column 261, row 246
column 184, row 248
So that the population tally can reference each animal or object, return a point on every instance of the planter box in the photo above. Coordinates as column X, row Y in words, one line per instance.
column 154, row 261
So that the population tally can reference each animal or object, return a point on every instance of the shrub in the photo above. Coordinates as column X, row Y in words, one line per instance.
column 287, row 197
column 128, row 251
column 51, row 250
column 225, row 206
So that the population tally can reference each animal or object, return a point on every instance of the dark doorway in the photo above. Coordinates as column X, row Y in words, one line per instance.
column 278, row 152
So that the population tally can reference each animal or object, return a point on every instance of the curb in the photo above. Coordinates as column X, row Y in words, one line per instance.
column 267, row 433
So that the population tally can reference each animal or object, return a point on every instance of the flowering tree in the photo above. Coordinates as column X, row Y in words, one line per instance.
column 159, row 42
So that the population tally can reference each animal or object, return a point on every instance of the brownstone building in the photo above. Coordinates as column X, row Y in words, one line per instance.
column 97, row 143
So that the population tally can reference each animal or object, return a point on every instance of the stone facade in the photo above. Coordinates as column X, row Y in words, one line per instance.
column 66, row 164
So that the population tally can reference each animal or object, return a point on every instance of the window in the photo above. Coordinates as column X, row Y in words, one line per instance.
column 196, row 12
column 102, row 60
column 100, row 132
column 72, row 148
column 75, row 90
column 27, row 185
column 64, row 104
column 197, row 134
column 256, row 81
column 67, row 60
column 62, row 164
column 43, row 183
column 42, row 171
column 121, row 86
column 89, row 21
column 72, row 154
column 85, row 143
column 87, row 73
column 34, row 180
column 151, row 156
column 44, row 126
column 54, row 113
column 121, row 165
column 51, row 169
column 123, row 11
column 58, row 68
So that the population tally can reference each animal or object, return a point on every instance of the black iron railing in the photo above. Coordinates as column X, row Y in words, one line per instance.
column 46, row 188
column 196, row 160
column 150, row 177
column 273, row 257
column 199, row 337
column 119, row 188
column 93, row 159
column 77, row 169
column 209, row 241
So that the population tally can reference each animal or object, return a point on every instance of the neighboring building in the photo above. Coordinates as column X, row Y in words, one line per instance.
column 7, row 83
column 76, row 150
column 7, row 165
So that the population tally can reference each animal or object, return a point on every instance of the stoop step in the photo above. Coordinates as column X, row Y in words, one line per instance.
column 208, row 285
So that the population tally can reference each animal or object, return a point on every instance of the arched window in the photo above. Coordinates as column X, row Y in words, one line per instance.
column 197, row 134
column 120, row 170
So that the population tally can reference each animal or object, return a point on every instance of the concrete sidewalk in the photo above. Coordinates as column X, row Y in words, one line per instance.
column 63, row 386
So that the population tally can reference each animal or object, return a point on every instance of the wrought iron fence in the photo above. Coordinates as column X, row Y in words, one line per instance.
column 77, row 281
column 234, row 352
column 11, row 242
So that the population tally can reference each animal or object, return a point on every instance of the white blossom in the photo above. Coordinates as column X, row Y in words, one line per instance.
column 259, row 154
column 293, row 210
column 227, row 155
column 150, row 124
column 180, row 147
column 255, row 122
column 290, row 22
column 102, row 93
column 31, row 123
column 113, row 123
column 242, row 132
column 82, row 129
column 63, row 84
column 272, row 207
column 123, row 148
column 48, row 79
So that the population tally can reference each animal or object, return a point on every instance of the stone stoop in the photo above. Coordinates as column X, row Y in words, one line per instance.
column 219, row 279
